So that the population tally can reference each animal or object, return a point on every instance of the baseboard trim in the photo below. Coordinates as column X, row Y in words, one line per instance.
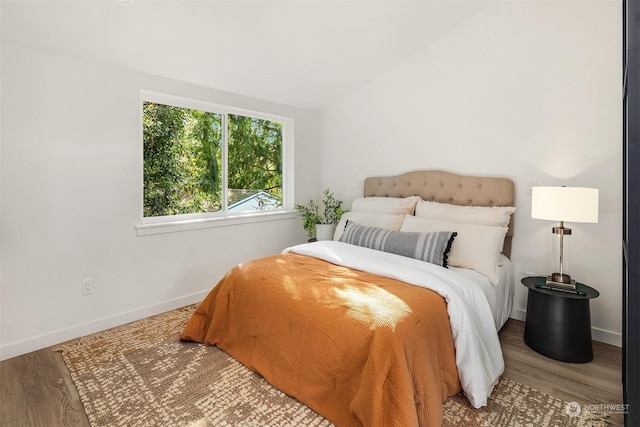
column 607, row 337
column 518, row 314
column 601, row 335
column 47, row 340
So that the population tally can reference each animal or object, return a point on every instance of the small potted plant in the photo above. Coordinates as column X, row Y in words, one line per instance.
column 321, row 219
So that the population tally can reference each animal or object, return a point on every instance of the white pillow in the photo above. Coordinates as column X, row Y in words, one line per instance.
column 387, row 221
column 476, row 246
column 498, row 215
column 386, row 205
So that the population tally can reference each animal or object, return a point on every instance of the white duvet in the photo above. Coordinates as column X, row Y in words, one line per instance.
column 478, row 353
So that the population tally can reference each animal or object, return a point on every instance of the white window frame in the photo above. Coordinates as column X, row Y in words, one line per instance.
column 222, row 218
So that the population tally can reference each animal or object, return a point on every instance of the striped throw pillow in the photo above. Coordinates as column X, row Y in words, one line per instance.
column 431, row 247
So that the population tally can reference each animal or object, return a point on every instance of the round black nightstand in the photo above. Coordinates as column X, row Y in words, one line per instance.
column 558, row 323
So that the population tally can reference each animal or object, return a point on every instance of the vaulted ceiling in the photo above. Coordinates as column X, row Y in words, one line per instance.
column 301, row 53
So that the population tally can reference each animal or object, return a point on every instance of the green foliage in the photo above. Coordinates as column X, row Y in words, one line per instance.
column 208, row 130
column 329, row 212
column 165, row 168
column 183, row 158
column 310, row 214
column 255, row 154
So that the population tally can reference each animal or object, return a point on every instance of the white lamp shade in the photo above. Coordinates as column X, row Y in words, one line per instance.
column 571, row 204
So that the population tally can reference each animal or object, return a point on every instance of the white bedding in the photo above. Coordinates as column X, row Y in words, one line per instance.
column 500, row 295
column 478, row 353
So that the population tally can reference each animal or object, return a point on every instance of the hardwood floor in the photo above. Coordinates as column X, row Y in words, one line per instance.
column 596, row 382
column 36, row 389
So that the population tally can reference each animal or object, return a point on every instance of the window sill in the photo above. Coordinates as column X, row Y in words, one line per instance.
column 197, row 224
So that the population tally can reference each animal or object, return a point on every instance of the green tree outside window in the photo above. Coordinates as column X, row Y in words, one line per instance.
column 183, row 160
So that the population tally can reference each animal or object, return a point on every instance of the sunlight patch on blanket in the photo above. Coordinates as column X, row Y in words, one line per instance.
column 374, row 306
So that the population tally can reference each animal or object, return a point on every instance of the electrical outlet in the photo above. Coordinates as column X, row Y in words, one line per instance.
column 88, row 286
column 530, row 186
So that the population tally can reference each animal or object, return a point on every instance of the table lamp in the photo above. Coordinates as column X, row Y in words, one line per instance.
column 570, row 204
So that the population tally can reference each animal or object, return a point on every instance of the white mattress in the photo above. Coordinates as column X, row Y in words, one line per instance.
column 500, row 296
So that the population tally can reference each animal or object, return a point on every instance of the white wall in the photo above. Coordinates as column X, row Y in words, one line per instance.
column 71, row 193
column 529, row 90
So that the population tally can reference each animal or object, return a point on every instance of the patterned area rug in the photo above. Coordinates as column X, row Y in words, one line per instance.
column 140, row 374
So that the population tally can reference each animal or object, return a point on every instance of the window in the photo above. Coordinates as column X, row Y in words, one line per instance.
column 203, row 160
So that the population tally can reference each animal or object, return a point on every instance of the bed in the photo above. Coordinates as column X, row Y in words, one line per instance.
column 367, row 336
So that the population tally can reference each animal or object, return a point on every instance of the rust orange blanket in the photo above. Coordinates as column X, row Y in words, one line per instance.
column 359, row 349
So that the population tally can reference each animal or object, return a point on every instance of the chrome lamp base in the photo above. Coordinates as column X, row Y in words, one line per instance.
column 561, row 281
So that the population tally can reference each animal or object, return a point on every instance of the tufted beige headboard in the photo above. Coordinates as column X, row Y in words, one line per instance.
column 446, row 187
